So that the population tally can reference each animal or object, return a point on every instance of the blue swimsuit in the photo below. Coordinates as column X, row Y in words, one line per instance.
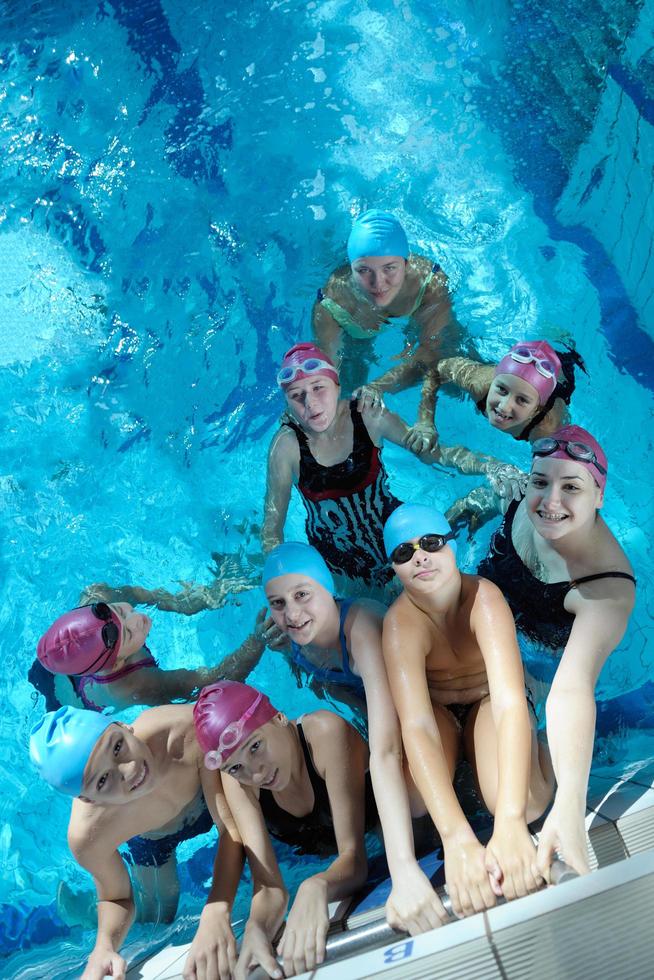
column 344, row 677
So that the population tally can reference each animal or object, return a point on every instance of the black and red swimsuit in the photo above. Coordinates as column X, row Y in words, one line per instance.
column 347, row 506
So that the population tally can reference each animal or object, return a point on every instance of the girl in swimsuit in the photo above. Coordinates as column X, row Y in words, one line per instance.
column 525, row 394
column 304, row 780
column 99, row 657
column 570, row 587
column 332, row 451
column 340, row 642
column 383, row 287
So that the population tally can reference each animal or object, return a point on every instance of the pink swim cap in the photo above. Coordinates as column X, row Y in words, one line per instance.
column 225, row 716
column 536, row 362
column 304, row 361
column 574, row 438
column 82, row 641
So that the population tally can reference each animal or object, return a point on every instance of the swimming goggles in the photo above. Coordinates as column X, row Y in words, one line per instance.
column 230, row 737
column 523, row 355
column 404, row 552
column 110, row 632
column 575, row 450
column 312, row 365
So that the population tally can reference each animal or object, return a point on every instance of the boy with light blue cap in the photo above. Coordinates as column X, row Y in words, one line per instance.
column 457, row 681
column 129, row 782
column 385, row 287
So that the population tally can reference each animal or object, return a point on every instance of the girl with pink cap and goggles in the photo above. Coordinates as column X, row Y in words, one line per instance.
column 570, row 587
column 525, row 394
column 305, row 783
column 98, row 654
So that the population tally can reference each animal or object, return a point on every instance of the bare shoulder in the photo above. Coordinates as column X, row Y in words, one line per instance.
column 284, row 443
column 324, row 724
column 366, row 612
column 170, row 719
column 92, row 834
column 338, row 282
column 331, row 739
column 404, row 622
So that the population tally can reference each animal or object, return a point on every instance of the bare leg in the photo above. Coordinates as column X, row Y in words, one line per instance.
column 480, row 741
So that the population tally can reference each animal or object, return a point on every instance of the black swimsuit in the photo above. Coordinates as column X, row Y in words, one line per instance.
column 312, row 833
column 347, row 506
column 538, row 607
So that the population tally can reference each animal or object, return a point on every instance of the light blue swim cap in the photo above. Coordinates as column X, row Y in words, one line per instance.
column 412, row 521
column 295, row 558
column 377, row 233
column 61, row 745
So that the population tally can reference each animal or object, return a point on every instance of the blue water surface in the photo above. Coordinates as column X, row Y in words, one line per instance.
column 177, row 181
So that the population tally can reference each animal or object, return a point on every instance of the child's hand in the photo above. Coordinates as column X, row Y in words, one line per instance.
column 303, row 944
column 422, row 437
column 511, row 860
column 266, row 631
column 467, row 879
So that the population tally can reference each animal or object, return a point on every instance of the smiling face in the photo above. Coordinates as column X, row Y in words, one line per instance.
column 299, row 606
column 120, row 769
column 511, row 402
column 313, row 401
column 426, row 571
column 265, row 759
column 381, row 277
column 562, row 497
column 135, row 627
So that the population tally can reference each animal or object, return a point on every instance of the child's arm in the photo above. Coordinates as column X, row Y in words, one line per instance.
column 413, row 904
column 510, row 854
column 406, row 645
column 283, row 449
column 340, row 756
column 115, row 903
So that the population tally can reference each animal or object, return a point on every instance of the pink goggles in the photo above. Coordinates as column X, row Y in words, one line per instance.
column 231, row 737
column 544, row 366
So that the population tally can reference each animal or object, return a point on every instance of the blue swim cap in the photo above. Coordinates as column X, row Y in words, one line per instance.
column 412, row 521
column 295, row 558
column 61, row 745
column 377, row 233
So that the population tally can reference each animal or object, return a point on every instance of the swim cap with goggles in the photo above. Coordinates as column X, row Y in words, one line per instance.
column 296, row 558
column 61, row 745
column 304, row 361
column 416, row 521
column 536, row 362
column 225, row 716
column 377, row 233
column 573, row 442
column 82, row 641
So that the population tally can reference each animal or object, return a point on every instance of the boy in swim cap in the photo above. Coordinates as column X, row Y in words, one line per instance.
column 456, row 677
column 338, row 643
column 305, row 783
column 383, row 287
column 99, row 658
column 525, row 394
column 139, row 780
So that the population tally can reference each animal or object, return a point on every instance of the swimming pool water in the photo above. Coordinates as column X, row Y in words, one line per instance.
column 177, row 180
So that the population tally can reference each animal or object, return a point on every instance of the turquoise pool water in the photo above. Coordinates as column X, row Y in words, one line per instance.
column 177, row 180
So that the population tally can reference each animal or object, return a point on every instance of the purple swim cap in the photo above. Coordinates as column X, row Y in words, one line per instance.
column 574, row 443
column 225, row 716
column 82, row 641
column 536, row 362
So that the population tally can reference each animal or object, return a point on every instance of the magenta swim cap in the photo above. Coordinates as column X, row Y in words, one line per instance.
column 536, row 362
column 225, row 716
column 574, row 443
column 82, row 641
column 304, row 361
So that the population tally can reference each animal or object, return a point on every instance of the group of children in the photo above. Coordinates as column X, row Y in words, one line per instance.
column 375, row 613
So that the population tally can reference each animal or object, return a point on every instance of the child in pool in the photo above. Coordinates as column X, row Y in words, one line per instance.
column 383, row 287
column 332, row 451
column 571, row 588
column 525, row 394
column 304, row 782
column 456, row 677
column 339, row 642
column 99, row 659
column 147, row 779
